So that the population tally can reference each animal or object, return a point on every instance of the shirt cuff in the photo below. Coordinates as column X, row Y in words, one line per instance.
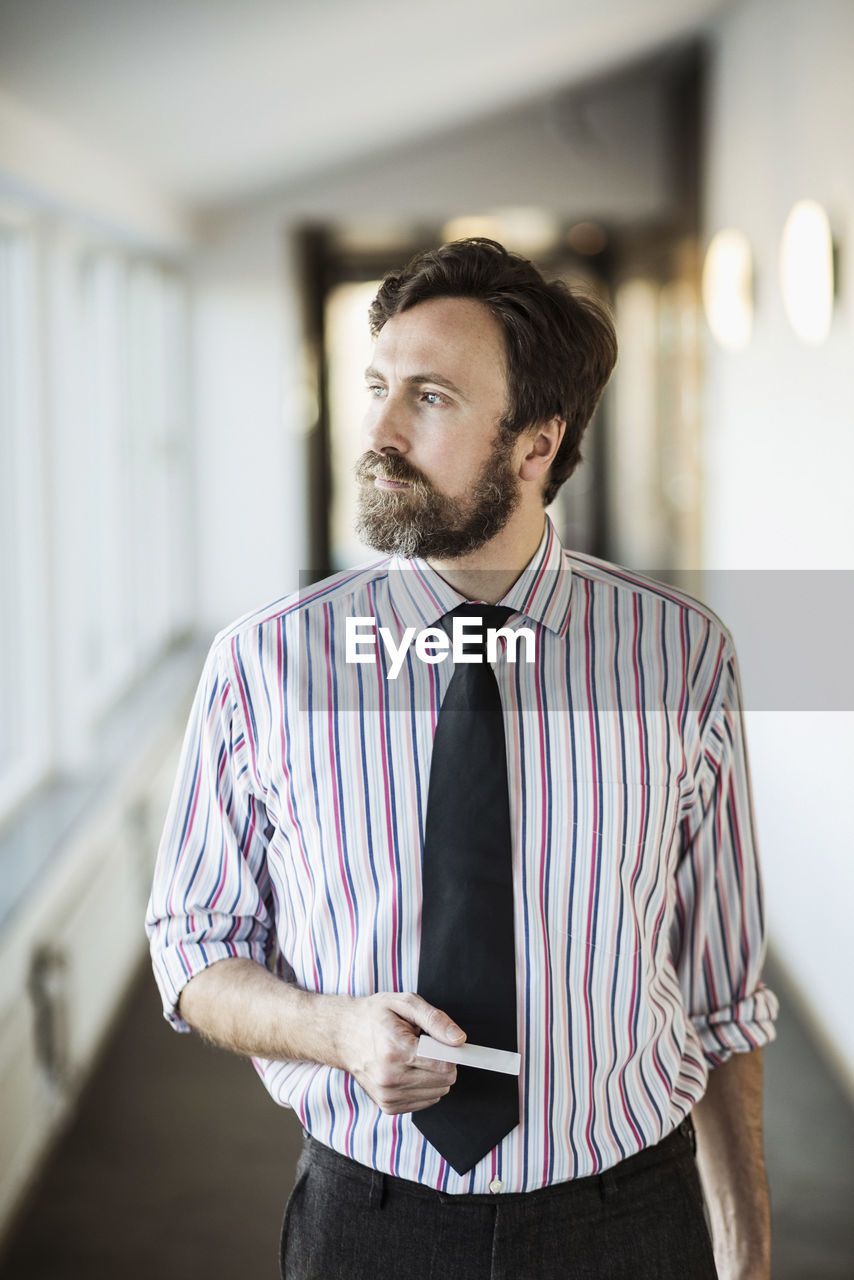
column 737, row 1028
column 177, row 963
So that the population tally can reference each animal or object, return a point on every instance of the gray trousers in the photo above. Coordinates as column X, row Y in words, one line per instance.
column 642, row 1220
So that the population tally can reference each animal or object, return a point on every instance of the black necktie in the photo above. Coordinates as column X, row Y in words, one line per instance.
column 467, row 962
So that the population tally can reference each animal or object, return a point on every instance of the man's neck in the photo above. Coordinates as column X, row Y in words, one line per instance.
column 488, row 573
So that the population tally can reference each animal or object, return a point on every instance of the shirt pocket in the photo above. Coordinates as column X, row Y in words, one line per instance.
column 622, row 849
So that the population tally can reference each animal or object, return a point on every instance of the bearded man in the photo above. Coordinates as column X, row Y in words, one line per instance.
column 492, row 928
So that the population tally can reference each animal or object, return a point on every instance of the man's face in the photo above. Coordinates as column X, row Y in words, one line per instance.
column 439, row 479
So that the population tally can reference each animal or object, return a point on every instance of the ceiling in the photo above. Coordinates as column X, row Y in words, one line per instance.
column 212, row 100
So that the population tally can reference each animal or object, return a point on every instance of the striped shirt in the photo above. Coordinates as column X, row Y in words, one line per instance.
column 295, row 833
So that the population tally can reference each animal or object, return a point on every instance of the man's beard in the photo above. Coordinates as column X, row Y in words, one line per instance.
column 421, row 521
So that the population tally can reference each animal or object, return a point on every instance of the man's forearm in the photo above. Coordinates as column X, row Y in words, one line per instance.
column 241, row 1006
column 244, row 1007
column 732, row 1167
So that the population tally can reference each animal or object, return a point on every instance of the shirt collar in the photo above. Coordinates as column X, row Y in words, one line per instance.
column 420, row 597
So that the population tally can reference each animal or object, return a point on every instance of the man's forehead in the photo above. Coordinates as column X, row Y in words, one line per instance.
column 459, row 337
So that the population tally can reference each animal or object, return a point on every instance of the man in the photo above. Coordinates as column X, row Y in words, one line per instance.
column 301, row 865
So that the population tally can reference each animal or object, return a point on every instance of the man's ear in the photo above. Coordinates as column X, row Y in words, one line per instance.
column 541, row 444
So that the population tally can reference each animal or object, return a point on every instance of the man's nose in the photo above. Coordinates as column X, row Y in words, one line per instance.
column 385, row 427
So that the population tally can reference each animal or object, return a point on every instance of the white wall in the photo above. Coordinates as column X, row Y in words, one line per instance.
column 780, row 455
column 249, row 421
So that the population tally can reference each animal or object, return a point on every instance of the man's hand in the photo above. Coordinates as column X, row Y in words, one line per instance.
column 380, row 1050
column 243, row 1007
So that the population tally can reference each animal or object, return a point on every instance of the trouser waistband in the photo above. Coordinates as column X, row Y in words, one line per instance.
column 679, row 1142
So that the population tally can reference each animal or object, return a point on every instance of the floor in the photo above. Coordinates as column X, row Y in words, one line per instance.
column 178, row 1165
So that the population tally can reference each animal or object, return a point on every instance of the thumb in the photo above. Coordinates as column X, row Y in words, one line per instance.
column 432, row 1020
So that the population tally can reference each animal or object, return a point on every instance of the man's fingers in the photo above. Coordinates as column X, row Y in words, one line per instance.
column 434, row 1069
column 437, row 1024
column 408, row 1107
column 413, row 1077
column 426, row 1074
column 395, row 1101
column 384, row 1057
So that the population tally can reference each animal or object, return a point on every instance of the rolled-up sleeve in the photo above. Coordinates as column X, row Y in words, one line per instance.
column 211, row 895
column 718, row 939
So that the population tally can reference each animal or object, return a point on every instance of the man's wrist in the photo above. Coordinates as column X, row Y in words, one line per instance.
column 327, row 1019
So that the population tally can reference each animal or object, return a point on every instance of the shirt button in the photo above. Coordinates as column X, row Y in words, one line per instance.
column 496, row 1185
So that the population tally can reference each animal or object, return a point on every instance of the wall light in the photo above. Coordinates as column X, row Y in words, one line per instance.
column 728, row 289
column 806, row 271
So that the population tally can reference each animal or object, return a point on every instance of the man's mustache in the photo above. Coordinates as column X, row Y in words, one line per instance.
column 388, row 467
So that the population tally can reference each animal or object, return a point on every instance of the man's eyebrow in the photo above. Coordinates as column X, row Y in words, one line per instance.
column 416, row 379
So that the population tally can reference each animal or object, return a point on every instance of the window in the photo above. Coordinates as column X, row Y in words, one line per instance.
column 95, row 510
column 23, row 702
column 133, row 469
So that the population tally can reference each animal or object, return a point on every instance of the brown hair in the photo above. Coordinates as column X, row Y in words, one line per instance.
column 560, row 344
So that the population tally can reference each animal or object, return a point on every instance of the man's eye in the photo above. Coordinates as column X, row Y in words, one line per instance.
column 433, row 397
column 375, row 390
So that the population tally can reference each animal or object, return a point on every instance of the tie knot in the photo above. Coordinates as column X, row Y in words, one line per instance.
column 492, row 617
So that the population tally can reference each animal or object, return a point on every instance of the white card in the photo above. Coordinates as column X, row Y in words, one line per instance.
column 471, row 1055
